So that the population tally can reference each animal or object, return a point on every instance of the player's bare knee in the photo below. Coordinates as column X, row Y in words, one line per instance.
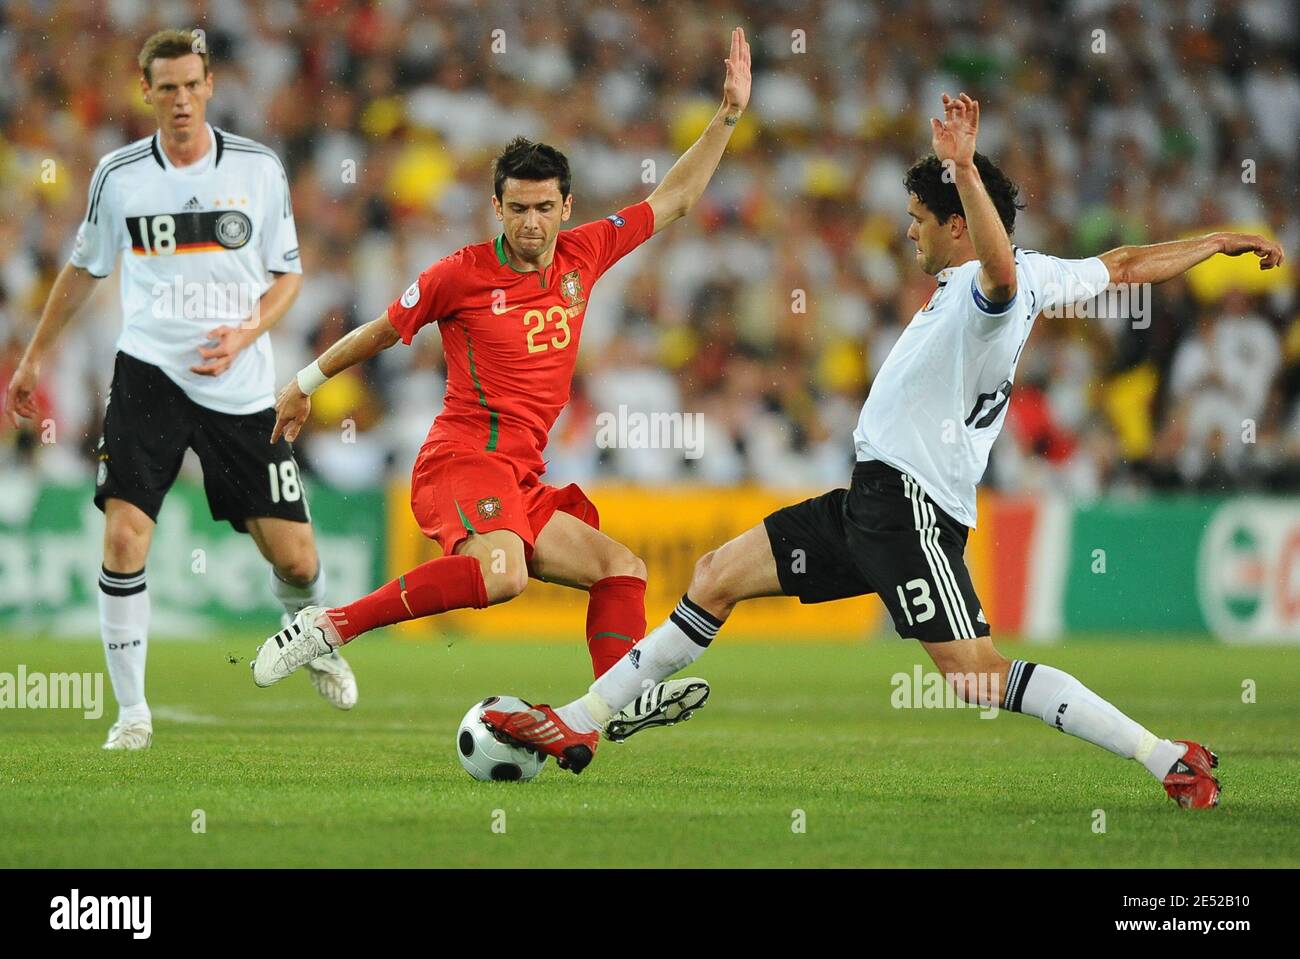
column 623, row 562
column 505, row 585
column 300, row 569
column 505, row 573
column 975, row 673
column 126, row 546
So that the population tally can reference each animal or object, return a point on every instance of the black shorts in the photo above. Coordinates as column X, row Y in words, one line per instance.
column 882, row 535
column 147, row 427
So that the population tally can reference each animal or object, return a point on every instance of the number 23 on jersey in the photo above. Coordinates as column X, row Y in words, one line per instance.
column 537, row 326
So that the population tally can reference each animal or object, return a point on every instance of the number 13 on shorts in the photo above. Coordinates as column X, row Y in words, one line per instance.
column 919, row 590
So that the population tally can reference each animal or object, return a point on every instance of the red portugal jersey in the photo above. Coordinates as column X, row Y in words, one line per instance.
column 511, row 338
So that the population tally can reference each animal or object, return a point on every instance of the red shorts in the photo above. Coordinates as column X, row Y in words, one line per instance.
column 457, row 493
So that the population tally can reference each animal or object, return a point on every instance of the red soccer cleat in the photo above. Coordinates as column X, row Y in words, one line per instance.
column 1190, row 782
column 541, row 728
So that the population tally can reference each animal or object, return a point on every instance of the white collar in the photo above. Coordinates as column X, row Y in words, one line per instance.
column 200, row 165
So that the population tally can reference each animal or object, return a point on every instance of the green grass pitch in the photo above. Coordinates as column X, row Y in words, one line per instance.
column 284, row 780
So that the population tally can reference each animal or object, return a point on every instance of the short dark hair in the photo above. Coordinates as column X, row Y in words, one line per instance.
column 926, row 180
column 523, row 159
column 168, row 45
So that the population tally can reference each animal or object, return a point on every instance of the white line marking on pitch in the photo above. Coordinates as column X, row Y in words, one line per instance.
column 179, row 714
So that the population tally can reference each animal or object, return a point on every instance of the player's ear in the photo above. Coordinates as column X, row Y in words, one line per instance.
column 566, row 209
column 144, row 89
column 496, row 208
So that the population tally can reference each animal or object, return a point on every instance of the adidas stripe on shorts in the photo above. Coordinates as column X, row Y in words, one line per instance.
column 882, row 535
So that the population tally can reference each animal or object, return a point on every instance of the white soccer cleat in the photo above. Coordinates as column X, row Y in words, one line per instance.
column 666, row 703
column 129, row 736
column 333, row 679
column 294, row 646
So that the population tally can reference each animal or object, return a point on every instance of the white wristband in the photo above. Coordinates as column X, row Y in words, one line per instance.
column 310, row 378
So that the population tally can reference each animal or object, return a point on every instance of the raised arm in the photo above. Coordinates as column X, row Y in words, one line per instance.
column 294, row 403
column 1158, row 262
column 71, row 289
column 954, row 144
column 684, row 184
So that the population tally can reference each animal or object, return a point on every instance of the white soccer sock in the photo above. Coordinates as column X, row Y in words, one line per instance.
column 294, row 598
column 676, row 643
column 1060, row 700
column 577, row 715
column 124, row 629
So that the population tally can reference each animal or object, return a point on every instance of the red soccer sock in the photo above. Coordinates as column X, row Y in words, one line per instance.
column 448, row 582
column 615, row 620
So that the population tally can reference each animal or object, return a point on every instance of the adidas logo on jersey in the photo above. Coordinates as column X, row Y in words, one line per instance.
column 192, row 204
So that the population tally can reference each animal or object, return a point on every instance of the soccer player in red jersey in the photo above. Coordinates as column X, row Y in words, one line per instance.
column 511, row 313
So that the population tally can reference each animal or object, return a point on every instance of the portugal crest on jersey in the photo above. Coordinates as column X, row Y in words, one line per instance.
column 488, row 507
column 571, row 289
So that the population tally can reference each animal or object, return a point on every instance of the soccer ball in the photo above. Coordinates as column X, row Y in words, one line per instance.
column 484, row 756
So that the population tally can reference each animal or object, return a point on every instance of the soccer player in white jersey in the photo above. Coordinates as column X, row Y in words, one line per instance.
column 922, row 444
column 204, row 226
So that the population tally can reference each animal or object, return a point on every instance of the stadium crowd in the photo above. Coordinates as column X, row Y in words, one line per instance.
column 770, row 309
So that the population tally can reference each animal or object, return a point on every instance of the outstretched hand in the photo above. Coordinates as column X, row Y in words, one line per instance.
column 1269, row 252
column 292, row 408
column 953, row 138
column 735, row 91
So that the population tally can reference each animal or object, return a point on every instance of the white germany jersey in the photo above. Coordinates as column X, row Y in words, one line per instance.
column 940, row 399
column 198, row 245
